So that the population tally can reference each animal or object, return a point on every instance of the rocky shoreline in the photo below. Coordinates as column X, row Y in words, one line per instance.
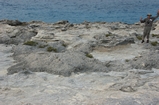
column 87, row 63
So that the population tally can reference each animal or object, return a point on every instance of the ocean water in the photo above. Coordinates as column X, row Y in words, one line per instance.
column 77, row 11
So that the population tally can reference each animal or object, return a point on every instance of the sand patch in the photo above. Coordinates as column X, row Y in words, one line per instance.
column 118, row 52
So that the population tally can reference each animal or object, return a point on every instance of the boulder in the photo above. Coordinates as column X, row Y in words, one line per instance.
column 13, row 22
column 147, row 61
column 62, row 22
column 59, row 63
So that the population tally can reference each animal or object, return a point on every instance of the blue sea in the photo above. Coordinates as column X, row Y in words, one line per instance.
column 77, row 11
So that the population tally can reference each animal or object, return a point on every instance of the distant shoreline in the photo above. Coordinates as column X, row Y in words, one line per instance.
column 16, row 20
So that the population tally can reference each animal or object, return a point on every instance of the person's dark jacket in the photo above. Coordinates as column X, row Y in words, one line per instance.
column 148, row 22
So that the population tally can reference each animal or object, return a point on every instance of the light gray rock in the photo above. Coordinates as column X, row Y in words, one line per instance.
column 17, row 36
column 58, row 63
column 147, row 61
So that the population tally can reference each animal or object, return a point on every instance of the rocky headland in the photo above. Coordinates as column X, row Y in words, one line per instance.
column 89, row 63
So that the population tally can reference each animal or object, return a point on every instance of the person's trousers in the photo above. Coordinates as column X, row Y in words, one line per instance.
column 146, row 33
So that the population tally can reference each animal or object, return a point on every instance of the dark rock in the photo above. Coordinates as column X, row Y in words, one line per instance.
column 62, row 22
column 105, row 41
column 125, row 41
column 127, row 89
column 14, row 22
column 26, row 72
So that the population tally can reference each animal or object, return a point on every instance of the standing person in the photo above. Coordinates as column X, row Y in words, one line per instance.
column 148, row 24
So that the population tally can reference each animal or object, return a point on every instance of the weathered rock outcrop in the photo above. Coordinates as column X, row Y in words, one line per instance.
column 88, row 63
column 58, row 63
column 13, row 22
column 37, row 39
